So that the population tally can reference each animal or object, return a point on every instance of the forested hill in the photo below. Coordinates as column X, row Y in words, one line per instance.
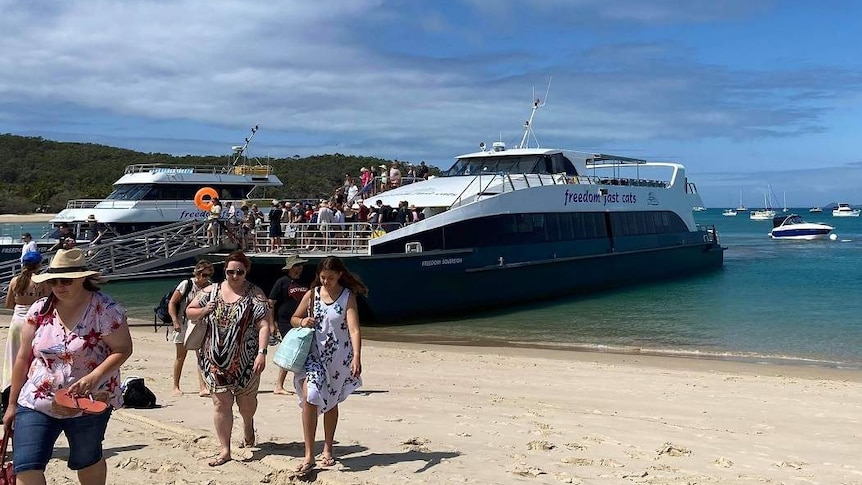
column 39, row 173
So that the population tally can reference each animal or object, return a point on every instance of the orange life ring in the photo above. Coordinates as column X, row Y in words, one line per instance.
column 203, row 203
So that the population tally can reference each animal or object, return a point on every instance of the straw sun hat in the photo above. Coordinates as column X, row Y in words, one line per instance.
column 67, row 263
column 292, row 261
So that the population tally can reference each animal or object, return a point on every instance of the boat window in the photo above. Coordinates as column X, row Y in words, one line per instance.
column 175, row 191
column 497, row 164
column 130, row 192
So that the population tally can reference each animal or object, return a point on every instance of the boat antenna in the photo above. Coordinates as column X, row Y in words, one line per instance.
column 239, row 150
column 528, row 125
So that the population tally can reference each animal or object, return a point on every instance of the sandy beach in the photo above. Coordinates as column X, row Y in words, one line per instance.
column 435, row 414
column 13, row 218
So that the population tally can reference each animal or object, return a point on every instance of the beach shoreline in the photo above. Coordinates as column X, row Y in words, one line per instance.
column 25, row 218
column 440, row 413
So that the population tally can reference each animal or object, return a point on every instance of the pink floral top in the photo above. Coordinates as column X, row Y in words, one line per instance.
column 61, row 358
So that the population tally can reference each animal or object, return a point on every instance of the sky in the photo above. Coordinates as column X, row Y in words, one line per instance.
column 752, row 96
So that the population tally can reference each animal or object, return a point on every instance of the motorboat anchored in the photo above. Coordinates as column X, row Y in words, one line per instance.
column 512, row 225
column 729, row 213
column 844, row 210
column 815, row 210
column 791, row 226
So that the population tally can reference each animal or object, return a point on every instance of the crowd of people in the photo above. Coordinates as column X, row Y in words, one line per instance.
column 324, row 224
column 68, row 339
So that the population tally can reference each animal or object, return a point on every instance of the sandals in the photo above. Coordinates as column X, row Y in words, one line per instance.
column 304, row 468
column 219, row 461
column 246, row 443
column 327, row 461
column 82, row 403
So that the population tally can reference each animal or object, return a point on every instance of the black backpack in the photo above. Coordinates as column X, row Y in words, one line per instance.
column 162, row 312
column 137, row 395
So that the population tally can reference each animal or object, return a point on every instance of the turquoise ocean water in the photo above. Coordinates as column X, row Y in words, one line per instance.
column 788, row 301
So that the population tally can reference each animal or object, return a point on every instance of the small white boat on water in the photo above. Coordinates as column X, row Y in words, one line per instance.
column 815, row 210
column 698, row 208
column 765, row 214
column 791, row 226
column 729, row 213
column 844, row 210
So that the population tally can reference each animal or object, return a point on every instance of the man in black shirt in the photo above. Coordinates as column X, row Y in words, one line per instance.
column 275, row 231
column 284, row 298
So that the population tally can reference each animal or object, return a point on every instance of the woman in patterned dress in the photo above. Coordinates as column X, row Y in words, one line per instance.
column 75, row 341
column 334, row 363
column 233, row 353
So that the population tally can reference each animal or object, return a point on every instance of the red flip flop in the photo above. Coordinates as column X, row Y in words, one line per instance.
column 82, row 403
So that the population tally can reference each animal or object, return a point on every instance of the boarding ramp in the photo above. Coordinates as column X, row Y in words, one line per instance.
column 135, row 254
column 149, row 250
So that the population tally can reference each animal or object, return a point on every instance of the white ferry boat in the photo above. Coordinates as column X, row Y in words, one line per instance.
column 151, row 195
column 505, row 226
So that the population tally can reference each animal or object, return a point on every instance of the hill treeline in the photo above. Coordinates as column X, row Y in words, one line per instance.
column 39, row 174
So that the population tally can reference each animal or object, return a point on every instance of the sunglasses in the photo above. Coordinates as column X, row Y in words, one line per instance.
column 205, row 275
column 61, row 281
column 235, row 272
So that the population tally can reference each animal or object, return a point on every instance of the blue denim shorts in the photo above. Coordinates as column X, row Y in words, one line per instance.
column 36, row 433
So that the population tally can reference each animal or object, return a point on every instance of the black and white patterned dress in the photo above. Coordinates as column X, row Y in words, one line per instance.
column 328, row 364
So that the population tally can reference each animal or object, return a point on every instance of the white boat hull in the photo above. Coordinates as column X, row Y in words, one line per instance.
column 802, row 232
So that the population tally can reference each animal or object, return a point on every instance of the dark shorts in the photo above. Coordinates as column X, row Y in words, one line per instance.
column 36, row 433
column 275, row 230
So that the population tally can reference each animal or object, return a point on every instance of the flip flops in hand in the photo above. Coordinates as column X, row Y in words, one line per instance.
column 82, row 403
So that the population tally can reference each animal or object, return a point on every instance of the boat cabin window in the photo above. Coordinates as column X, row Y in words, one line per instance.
column 175, row 191
column 546, row 164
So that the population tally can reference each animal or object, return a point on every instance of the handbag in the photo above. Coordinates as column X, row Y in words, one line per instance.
column 196, row 331
column 293, row 349
column 7, row 470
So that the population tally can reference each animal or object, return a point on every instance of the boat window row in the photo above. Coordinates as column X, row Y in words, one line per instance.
column 548, row 164
column 506, row 229
column 175, row 191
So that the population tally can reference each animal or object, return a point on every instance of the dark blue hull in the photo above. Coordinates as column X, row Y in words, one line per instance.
column 408, row 287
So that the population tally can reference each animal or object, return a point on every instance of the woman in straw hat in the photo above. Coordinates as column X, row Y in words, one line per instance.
column 233, row 353
column 22, row 292
column 67, row 374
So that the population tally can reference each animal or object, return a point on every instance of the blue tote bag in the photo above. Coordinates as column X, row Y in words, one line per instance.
column 293, row 349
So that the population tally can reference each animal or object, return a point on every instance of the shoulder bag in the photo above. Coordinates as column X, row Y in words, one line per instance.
column 196, row 331
column 293, row 349
column 7, row 472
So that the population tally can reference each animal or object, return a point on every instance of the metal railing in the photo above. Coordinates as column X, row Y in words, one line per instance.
column 345, row 238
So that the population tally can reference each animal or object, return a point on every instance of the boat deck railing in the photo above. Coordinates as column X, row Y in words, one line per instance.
column 262, row 170
column 126, row 203
column 350, row 238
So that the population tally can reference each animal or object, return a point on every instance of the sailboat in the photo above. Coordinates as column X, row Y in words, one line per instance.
column 785, row 202
column 741, row 207
column 765, row 214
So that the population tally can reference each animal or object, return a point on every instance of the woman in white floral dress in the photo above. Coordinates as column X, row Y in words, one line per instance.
column 333, row 366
